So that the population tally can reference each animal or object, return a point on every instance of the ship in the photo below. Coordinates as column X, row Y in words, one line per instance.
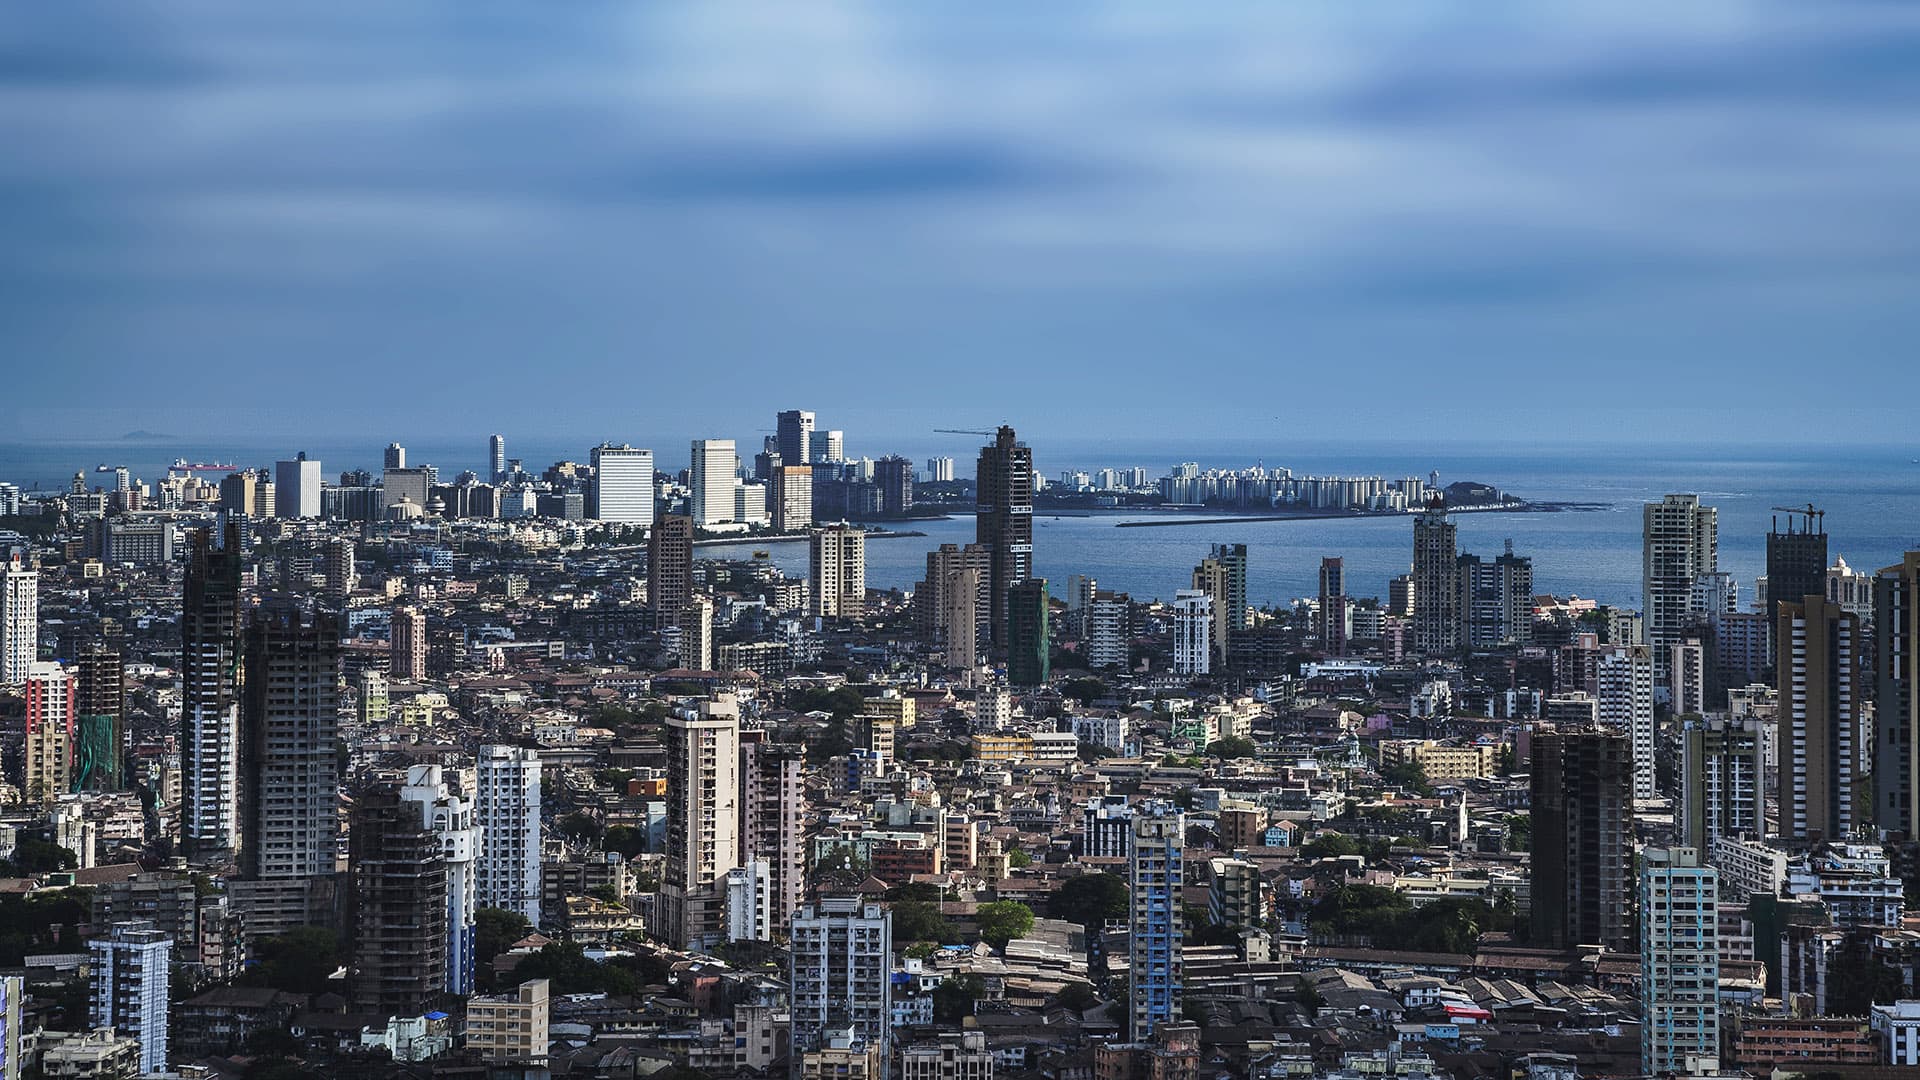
column 182, row 465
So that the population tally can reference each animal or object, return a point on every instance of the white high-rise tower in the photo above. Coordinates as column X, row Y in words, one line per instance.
column 507, row 797
column 623, row 484
column 715, row 467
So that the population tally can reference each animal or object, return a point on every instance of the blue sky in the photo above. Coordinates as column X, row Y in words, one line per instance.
column 1473, row 220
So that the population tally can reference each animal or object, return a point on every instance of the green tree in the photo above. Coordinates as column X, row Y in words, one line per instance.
column 953, row 999
column 1085, row 690
column 1090, row 899
column 1076, row 996
column 625, row 839
column 1233, row 746
column 1330, row 846
column 919, row 920
column 565, row 965
column 1017, row 859
column 1003, row 920
column 925, row 891
column 300, row 961
column 580, row 826
column 494, row 930
column 1411, row 775
column 1520, row 832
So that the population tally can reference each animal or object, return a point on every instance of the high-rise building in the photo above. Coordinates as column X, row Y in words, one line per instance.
column 496, row 458
column 1003, row 522
column 893, row 475
column 210, row 699
column 131, row 971
column 1582, row 840
column 451, row 816
column 396, row 457
column 1155, row 932
column 795, row 433
column 1110, row 631
column 1687, row 676
column 50, row 702
column 750, row 503
column 837, row 572
column 100, row 711
column 670, row 568
column 1106, row 830
column 1029, row 643
column 237, row 495
column 940, row 470
column 1496, row 600
column 1623, row 700
column 1215, row 577
column 13, row 994
column 790, row 499
column 19, row 619
column 942, row 601
column 1722, row 781
column 1680, row 541
column 1193, row 624
column 715, row 467
column 1436, row 583
column 833, row 448
column 1896, row 667
column 703, row 823
column 773, row 820
column 1679, row 960
column 399, row 924
column 1819, row 717
column 507, row 800
column 1796, row 562
column 408, row 643
column 696, row 634
column 510, row 1029
column 1333, row 606
column 840, row 974
column 404, row 485
column 963, row 606
column 289, row 765
column 623, row 484
column 296, row 488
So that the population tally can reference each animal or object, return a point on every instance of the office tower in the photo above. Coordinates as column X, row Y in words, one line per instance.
column 296, row 488
column 1155, row 934
column 670, row 568
column 1333, row 606
column 1029, row 645
column 237, row 494
column 131, row 969
column 452, row 817
column 399, row 925
column 1215, row 577
column 1680, row 541
column 715, row 467
column 1496, row 600
column 1003, row 522
column 1110, row 631
column 19, row 619
column 940, row 470
column 768, row 459
column 623, row 484
column 288, row 762
column 696, row 634
column 840, row 973
column 496, row 458
column 1819, row 721
column 795, row 434
column 507, row 799
column 1679, row 960
column 893, row 475
column 49, row 728
column 837, row 572
column 1687, row 676
column 703, row 824
column 790, row 499
column 1623, row 700
column 1106, row 830
column 403, row 485
column 1796, row 562
column 396, row 457
column 1436, row 583
column 1896, row 667
column 100, row 712
column 1193, row 623
column 1722, row 789
column 773, row 820
column 408, row 643
column 749, row 503
column 834, row 449
column 210, row 699
column 1582, row 839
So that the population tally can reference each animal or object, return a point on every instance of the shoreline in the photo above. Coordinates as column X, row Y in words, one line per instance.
column 1342, row 515
column 796, row 538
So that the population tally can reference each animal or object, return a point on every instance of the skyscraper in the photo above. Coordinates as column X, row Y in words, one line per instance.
column 790, row 498
column 1722, row 781
column 670, row 568
column 1193, row 624
column 1155, row 934
column 715, row 467
column 794, row 430
column 1679, row 960
column 19, row 619
column 943, row 601
column 1003, row 522
column 1582, row 839
column 1680, row 541
column 1796, row 562
column 893, row 475
column 1819, row 718
column 451, row 816
column 623, row 484
column 773, row 820
column 408, row 642
column 703, row 823
column 1220, row 575
column 100, row 709
column 1028, row 642
column 399, row 924
column 396, row 457
column 131, row 971
column 1333, row 606
column 296, row 488
column 496, row 458
column 1496, row 600
column 1624, row 702
column 1896, row 667
column 837, row 572
column 507, row 870
column 1436, row 583
column 49, row 729
column 210, row 699
column 1110, row 631
column 840, row 974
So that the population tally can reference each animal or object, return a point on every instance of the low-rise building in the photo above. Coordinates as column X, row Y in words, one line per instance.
column 510, row 1028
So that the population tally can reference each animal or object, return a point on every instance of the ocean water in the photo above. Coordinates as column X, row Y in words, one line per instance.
column 1871, row 496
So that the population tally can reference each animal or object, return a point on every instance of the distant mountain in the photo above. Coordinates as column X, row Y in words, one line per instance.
column 150, row 436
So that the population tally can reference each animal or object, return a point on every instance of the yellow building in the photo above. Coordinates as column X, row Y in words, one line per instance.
column 1441, row 762
column 989, row 746
column 510, row 1028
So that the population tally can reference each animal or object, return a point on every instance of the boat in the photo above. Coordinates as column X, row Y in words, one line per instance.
column 181, row 465
column 762, row 553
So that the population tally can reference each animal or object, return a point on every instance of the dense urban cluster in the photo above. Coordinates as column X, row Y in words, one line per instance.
column 499, row 778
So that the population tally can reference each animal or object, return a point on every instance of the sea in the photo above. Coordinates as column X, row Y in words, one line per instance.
column 1870, row 495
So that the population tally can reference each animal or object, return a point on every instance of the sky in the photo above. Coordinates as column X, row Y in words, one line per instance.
column 1537, row 222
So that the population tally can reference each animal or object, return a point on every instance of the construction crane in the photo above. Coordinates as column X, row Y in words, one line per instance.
column 961, row 431
column 1815, row 518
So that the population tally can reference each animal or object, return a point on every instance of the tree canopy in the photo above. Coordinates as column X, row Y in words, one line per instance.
column 1090, row 899
column 1003, row 920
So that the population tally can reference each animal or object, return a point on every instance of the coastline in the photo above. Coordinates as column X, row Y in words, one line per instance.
column 1340, row 515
